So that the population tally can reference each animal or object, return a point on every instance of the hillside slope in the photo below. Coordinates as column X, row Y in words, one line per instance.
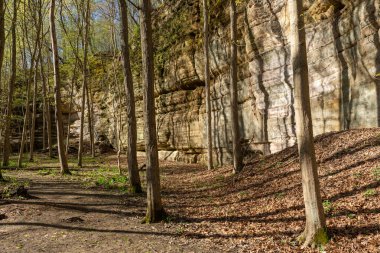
column 261, row 209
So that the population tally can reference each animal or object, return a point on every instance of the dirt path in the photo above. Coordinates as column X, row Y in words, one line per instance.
column 66, row 217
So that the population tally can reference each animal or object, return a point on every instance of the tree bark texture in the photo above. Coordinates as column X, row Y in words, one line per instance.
column 315, row 231
column 133, row 172
column 57, row 92
column 207, row 82
column 11, row 84
column 155, row 210
column 236, row 146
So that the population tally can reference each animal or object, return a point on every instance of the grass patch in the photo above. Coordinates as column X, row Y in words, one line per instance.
column 46, row 172
column 376, row 173
column 116, row 182
column 89, row 159
column 12, row 164
column 327, row 206
column 104, row 178
column 85, row 160
column 370, row 193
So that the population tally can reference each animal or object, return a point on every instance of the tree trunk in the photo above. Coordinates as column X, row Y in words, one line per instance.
column 90, row 120
column 44, row 147
column 2, row 38
column 38, row 47
column 57, row 93
column 29, row 77
column 315, row 231
column 84, row 85
column 236, row 147
column 46, row 102
column 2, row 45
column 80, row 149
column 207, row 83
column 119, row 147
column 134, row 177
column 34, row 115
column 73, row 80
column 155, row 210
column 11, row 84
column 25, row 125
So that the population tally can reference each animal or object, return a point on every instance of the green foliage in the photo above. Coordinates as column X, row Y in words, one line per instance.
column 107, row 177
column 327, row 206
column 370, row 193
column 376, row 173
column 46, row 172
column 135, row 54
column 12, row 164
column 112, row 182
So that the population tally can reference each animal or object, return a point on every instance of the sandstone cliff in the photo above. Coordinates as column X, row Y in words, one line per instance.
column 344, row 58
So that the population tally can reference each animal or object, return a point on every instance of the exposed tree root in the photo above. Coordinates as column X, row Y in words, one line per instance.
column 66, row 172
column 313, row 238
column 156, row 217
column 134, row 189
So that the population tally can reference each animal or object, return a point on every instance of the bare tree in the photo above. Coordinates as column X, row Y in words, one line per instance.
column 57, row 92
column 25, row 125
column 117, row 109
column 236, row 146
column 11, row 84
column 90, row 118
column 46, row 105
column 86, row 17
column 207, row 81
column 2, row 45
column 35, row 80
column 155, row 210
column 73, row 82
column 2, row 35
column 33, row 70
column 315, row 231
column 134, row 177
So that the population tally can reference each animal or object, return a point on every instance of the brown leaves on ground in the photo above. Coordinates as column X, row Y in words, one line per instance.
column 261, row 209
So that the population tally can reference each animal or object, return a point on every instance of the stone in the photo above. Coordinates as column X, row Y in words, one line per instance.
column 343, row 55
column 103, row 145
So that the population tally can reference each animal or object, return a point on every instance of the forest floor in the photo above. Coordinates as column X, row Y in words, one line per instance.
column 259, row 210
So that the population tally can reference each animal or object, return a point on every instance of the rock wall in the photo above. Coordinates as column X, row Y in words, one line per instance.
column 344, row 58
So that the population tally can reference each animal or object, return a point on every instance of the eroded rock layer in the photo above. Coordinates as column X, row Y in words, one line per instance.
column 344, row 61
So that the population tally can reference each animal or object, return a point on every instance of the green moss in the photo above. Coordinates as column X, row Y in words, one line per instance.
column 321, row 238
